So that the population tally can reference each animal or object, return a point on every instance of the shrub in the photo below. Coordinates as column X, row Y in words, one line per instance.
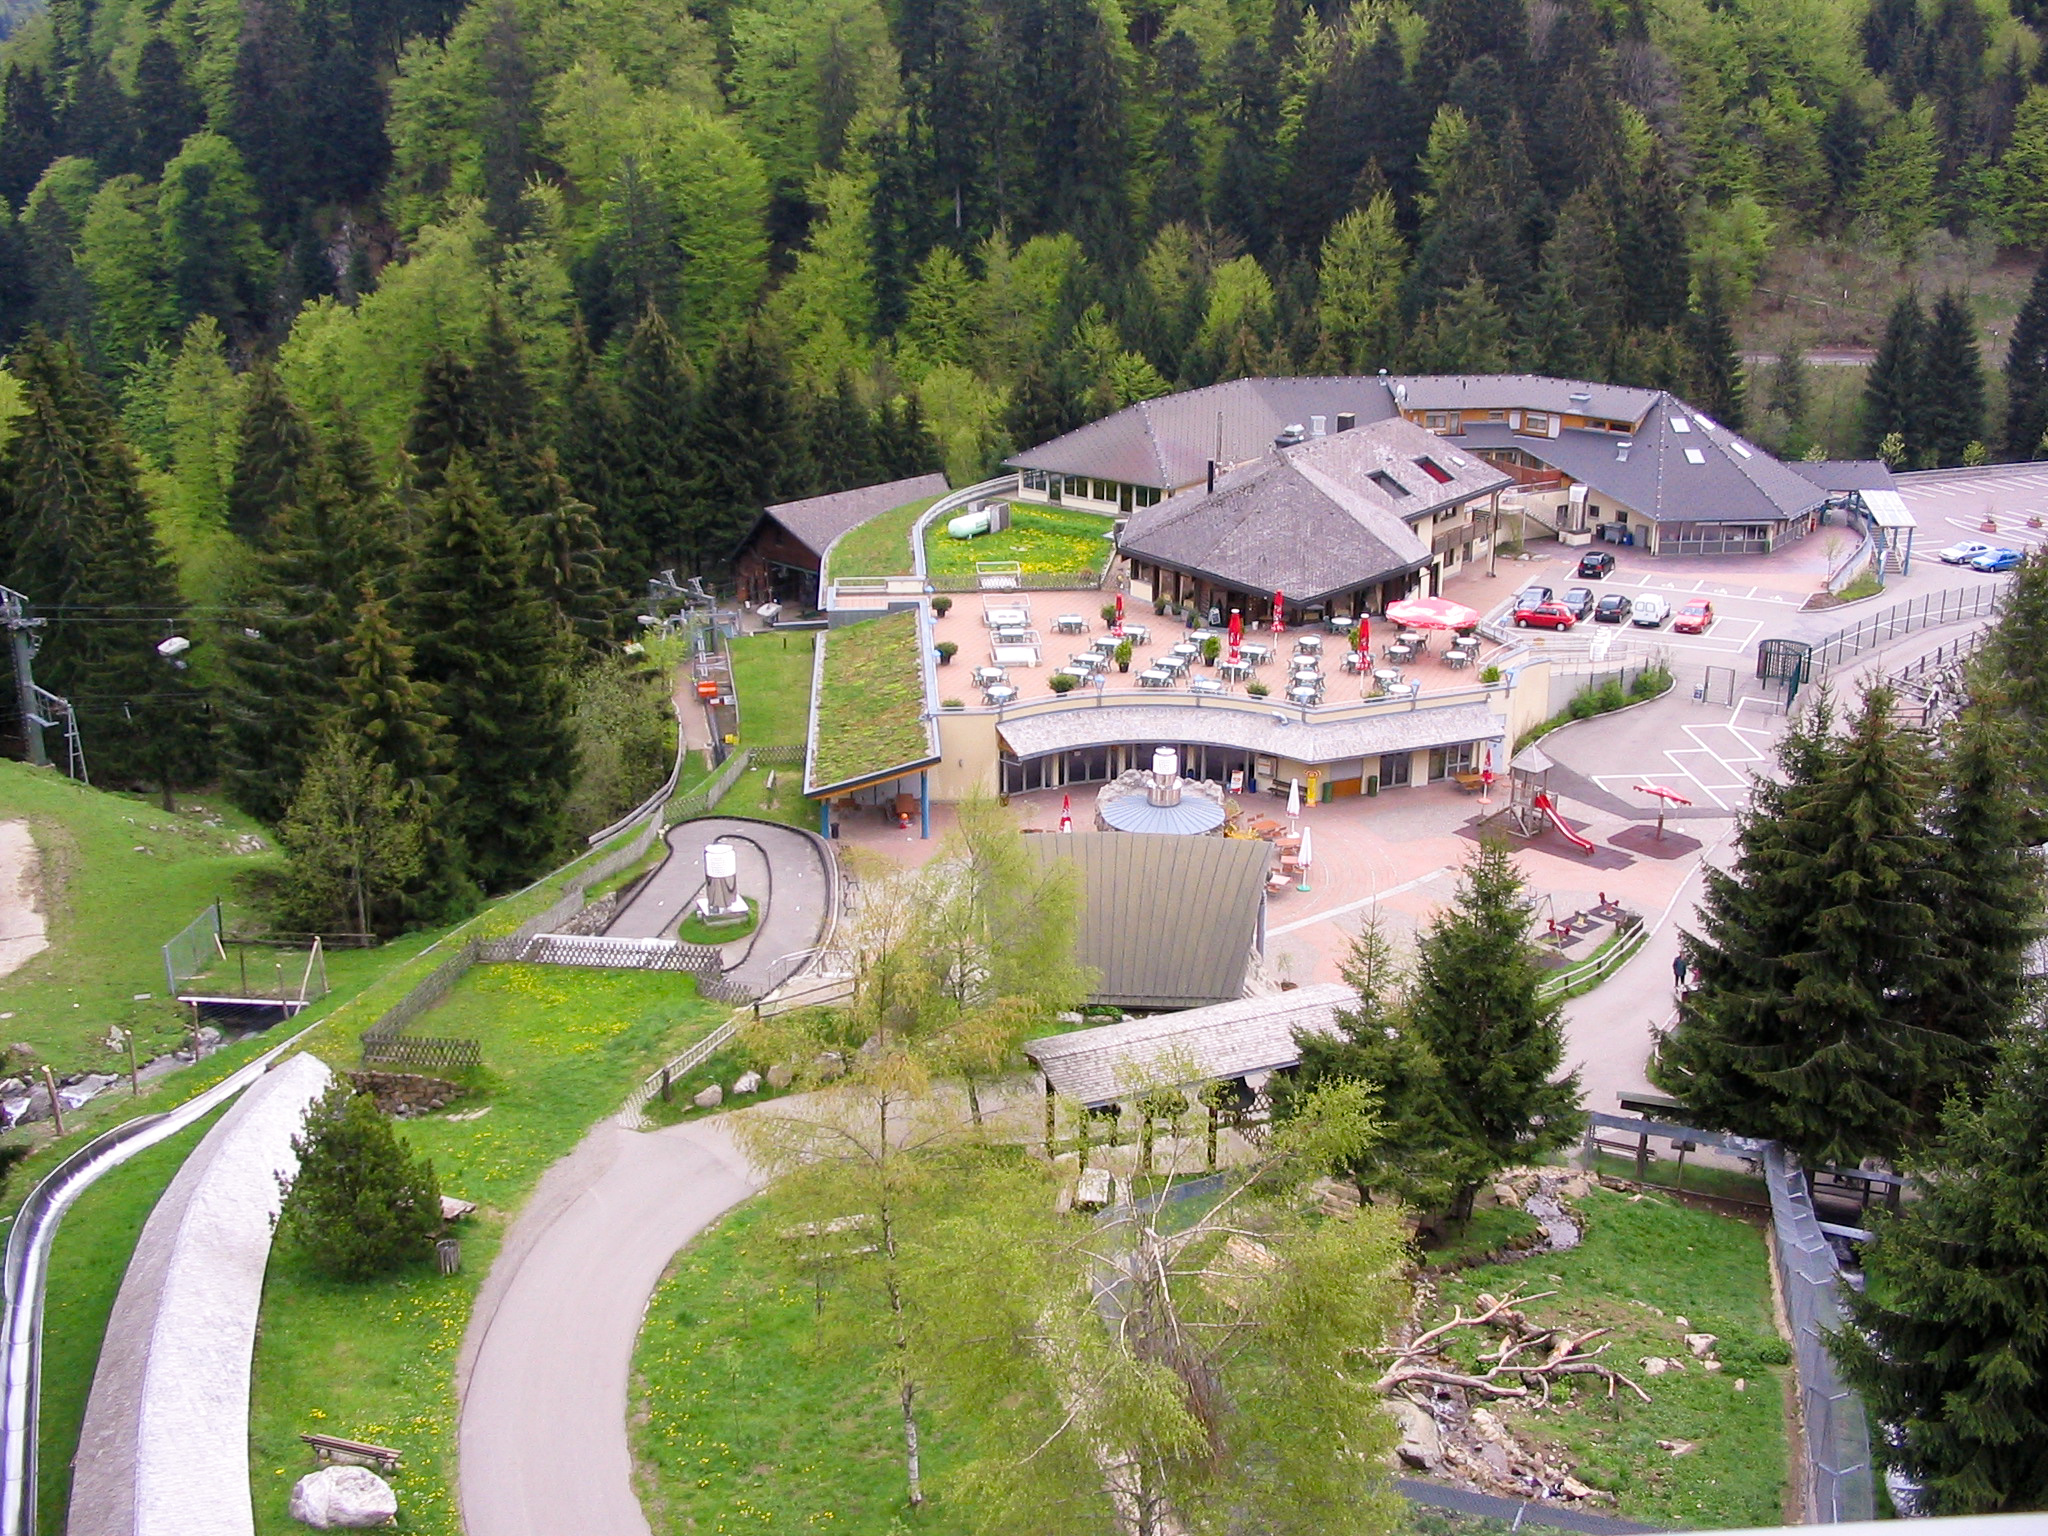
column 1109, row 613
column 1256, row 689
column 947, row 651
column 362, row 1204
column 1650, row 682
column 952, row 704
column 1211, row 649
column 1062, row 683
column 1123, row 655
column 1489, row 674
column 942, row 605
column 1159, row 607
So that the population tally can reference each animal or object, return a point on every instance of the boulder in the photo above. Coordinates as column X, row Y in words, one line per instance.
column 830, row 1065
column 34, row 1106
column 343, row 1499
column 747, row 1082
column 1422, row 1444
column 209, row 1036
column 1701, row 1345
column 710, row 1098
column 1658, row 1365
column 780, row 1077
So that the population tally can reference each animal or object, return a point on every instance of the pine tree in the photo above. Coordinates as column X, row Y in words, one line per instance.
column 361, row 1204
column 28, row 132
column 1717, row 362
column 1893, row 390
column 76, row 535
column 747, row 445
column 444, row 421
column 653, row 467
column 1477, row 1007
column 1948, row 1343
column 486, row 642
column 1952, row 384
column 841, row 435
column 274, row 456
column 2026, row 374
column 569, row 557
column 166, row 111
column 1819, row 1019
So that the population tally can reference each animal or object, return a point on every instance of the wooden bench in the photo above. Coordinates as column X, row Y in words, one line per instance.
column 355, row 1452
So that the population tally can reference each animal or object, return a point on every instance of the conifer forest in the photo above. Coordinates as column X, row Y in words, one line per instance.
column 387, row 347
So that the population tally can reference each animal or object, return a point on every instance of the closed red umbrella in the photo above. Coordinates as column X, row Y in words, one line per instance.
column 1236, row 632
column 1364, row 635
column 1066, row 813
column 1119, row 631
column 1279, row 613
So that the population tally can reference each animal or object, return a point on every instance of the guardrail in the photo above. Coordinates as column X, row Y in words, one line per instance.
column 1089, row 697
column 1929, row 611
column 1593, row 970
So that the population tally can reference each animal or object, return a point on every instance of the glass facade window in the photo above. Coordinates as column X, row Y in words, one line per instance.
column 1445, row 761
column 1395, row 768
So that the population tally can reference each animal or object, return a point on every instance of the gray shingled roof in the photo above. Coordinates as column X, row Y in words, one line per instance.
column 1524, row 391
column 1169, row 442
column 1168, row 922
column 1326, row 516
column 1180, row 1050
column 817, row 520
column 1848, row 474
column 1277, row 732
column 1734, row 481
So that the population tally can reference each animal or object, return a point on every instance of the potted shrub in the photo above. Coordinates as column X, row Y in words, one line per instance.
column 1158, row 607
column 1123, row 655
column 951, row 704
column 1257, row 689
column 942, row 605
column 947, row 651
column 1211, row 649
column 1109, row 613
column 1489, row 674
column 1062, row 683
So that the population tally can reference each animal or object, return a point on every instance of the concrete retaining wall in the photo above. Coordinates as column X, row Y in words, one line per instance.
column 165, row 1447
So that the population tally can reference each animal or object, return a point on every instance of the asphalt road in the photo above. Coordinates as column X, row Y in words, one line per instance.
column 546, row 1365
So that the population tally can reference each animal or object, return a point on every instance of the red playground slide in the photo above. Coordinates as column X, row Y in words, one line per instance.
column 1583, row 844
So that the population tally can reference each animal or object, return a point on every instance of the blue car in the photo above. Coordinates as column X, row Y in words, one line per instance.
column 1997, row 560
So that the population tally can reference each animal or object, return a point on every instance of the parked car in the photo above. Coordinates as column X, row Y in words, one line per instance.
column 1648, row 611
column 1997, row 560
column 1695, row 618
column 1965, row 552
column 1594, row 564
column 1614, row 608
column 1544, row 616
column 1579, row 600
column 1532, row 597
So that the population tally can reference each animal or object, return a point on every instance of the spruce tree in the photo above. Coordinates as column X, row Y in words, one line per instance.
column 28, row 132
column 1948, row 1342
column 1717, row 363
column 904, row 442
column 2026, row 374
column 444, row 421
column 747, row 444
column 586, row 436
column 1951, row 384
column 1477, row 1007
column 841, row 436
column 361, row 1204
column 76, row 536
column 569, row 557
column 353, row 840
column 652, row 470
column 274, row 457
column 166, row 111
column 485, row 640
column 1819, row 1020
column 1650, row 245
column 1893, row 391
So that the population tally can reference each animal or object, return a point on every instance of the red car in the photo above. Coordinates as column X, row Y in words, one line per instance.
column 1694, row 618
column 1545, row 616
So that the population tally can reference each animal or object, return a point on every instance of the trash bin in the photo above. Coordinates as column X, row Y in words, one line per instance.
column 1629, row 538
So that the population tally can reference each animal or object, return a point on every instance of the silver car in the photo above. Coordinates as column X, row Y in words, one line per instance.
column 1649, row 611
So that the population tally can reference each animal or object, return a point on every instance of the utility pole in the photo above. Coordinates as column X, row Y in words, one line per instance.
column 24, row 642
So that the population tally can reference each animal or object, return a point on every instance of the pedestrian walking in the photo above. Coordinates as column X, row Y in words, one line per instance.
column 1679, row 966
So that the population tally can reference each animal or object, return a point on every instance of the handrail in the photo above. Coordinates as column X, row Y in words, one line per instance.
column 1597, row 968
column 26, row 1271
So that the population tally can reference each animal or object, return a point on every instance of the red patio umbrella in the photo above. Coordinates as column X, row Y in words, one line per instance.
column 1364, row 637
column 1119, row 630
column 1236, row 632
column 1279, row 613
column 1432, row 613
column 1066, row 813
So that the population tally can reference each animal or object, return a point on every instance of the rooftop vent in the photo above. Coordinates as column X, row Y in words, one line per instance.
column 1580, row 395
column 1291, row 434
column 1317, row 426
column 1621, row 451
column 1346, row 420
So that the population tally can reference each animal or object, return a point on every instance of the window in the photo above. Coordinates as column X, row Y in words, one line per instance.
column 1145, row 496
column 1395, row 768
column 1445, row 761
column 1496, row 415
column 1694, row 456
column 1434, row 470
column 1680, row 424
column 1389, row 484
column 1103, row 490
column 1441, row 421
column 1537, row 423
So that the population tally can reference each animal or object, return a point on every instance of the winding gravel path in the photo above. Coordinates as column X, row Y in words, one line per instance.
column 547, row 1363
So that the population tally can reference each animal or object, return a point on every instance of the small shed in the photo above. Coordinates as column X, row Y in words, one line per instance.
column 783, row 554
column 1221, row 1043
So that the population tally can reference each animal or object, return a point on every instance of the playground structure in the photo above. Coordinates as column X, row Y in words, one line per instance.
column 210, row 972
column 1531, row 806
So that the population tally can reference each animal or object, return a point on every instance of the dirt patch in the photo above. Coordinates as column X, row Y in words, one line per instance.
column 23, row 930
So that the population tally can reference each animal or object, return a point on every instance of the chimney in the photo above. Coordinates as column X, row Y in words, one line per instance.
column 1315, row 426
column 1621, row 451
column 1212, row 477
column 1346, row 420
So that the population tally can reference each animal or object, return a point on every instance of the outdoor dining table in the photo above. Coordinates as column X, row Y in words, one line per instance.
column 1308, row 645
column 1008, row 618
column 1173, row 664
column 1008, row 636
column 1386, row 677
column 999, row 693
column 1306, row 693
column 1104, row 645
column 1400, row 650
column 1234, row 671
column 1353, row 662
column 1205, row 685
column 1138, row 634
column 1079, row 674
column 1155, row 677
column 1087, row 661
column 1414, row 637
column 1070, row 624
column 988, row 677
column 1306, row 666
column 1255, row 652
column 1456, row 659
column 1199, row 635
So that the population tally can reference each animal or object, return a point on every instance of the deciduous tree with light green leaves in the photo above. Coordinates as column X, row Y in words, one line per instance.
column 1358, row 302
column 1897, row 190
column 354, row 839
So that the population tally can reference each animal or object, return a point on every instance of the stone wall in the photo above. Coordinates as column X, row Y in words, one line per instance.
column 405, row 1094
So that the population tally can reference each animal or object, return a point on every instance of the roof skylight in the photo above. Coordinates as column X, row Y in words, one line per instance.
column 1680, row 424
column 1694, row 456
column 1740, row 447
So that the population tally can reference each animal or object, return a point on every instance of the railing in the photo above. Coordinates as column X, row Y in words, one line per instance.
column 1630, row 936
column 1089, row 697
column 1928, row 611
column 1029, row 581
column 689, row 1061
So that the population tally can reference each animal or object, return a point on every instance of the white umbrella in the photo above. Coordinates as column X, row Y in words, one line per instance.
column 1293, row 801
column 1302, row 858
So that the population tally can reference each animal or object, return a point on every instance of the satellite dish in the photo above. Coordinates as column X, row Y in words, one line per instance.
column 177, row 645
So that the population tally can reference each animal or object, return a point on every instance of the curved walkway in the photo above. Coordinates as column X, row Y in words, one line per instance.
column 546, row 1366
column 165, row 1444
column 787, row 871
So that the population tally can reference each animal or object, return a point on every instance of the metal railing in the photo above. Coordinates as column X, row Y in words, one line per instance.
column 1630, row 936
column 1928, row 611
